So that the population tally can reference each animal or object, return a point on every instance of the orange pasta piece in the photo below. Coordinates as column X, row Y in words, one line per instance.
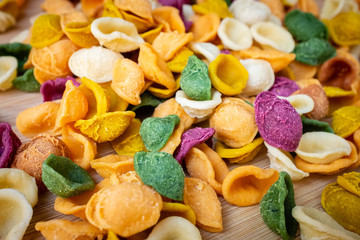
column 169, row 43
column 276, row 7
column 246, row 185
column 73, row 106
column 57, row 6
column 91, row 7
column 202, row 198
column 141, row 8
column 220, row 167
column 82, row 148
column 129, row 177
column 170, row 18
column 169, row 107
column 174, row 140
column 128, row 80
column 309, row 6
column 302, row 70
column 205, row 27
column 331, row 168
column 141, row 24
column 112, row 163
column 76, row 205
column 73, row 16
column 155, row 68
column 103, row 209
column 199, row 166
column 38, row 119
column 65, row 229
column 278, row 60
column 52, row 61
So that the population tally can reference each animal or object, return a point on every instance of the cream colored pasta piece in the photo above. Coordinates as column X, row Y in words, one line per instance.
column 6, row 21
column 20, row 37
column 21, row 181
column 234, row 34
column 322, row 147
column 208, row 50
column 282, row 161
column 198, row 109
column 16, row 213
column 301, row 102
column 250, row 11
column 261, row 76
column 316, row 224
column 270, row 34
column 174, row 227
column 116, row 34
column 331, row 8
column 95, row 63
column 274, row 19
column 8, row 66
column 188, row 12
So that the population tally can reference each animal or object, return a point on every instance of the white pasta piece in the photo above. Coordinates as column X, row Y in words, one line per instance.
column 331, row 8
column 316, row 224
column 208, row 50
column 16, row 213
column 21, row 181
column 270, row 34
column 8, row 66
column 198, row 109
column 116, row 34
column 175, row 227
column 95, row 63
column 20, row 37
column 261, row 76
column 301, row 102
column 6, row 21
column 188, row 12
column 322, row 147
column 234, row 34
column 282, row 161
column 250, row 11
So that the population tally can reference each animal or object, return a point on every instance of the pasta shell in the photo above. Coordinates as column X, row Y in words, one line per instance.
column 116, row 34
column 331, row 8
column 250, row 11
column 20, row 181
column 8, row 66
column 95, row 63
column 198, row 109
column 270, row 34
column 6, row 21
column 316, row 224
column 261, row 76
column 322, row 147
column 282, row 161
column 16, row 213
column 234, row 34
column 208, row 50
column 301, row 102
column 175, row 228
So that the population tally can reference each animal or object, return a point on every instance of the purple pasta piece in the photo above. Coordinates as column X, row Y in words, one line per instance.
column 54, row 89
column 284, row 87
column 278, row 122
column 191, row 138
column 8, row 145
column 225, row 51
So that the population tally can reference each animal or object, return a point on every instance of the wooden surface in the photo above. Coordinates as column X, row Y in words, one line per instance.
column 239, row 222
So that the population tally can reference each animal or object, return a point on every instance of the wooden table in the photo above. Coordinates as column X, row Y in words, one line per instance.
column 239, row 222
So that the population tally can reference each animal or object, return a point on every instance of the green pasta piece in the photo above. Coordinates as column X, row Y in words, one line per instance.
column 304, row 26
column 65, row 178
column 314, row 51
column 276, row 207
column 312, row 125
column 27, row 82
column 161, row 171
column 195, row 80
column 19, row 51
column 156, row 131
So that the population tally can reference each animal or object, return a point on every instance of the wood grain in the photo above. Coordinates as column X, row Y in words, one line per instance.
column 239, row 222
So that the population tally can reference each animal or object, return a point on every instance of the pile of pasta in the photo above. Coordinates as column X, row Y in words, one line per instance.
column 184, row 92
